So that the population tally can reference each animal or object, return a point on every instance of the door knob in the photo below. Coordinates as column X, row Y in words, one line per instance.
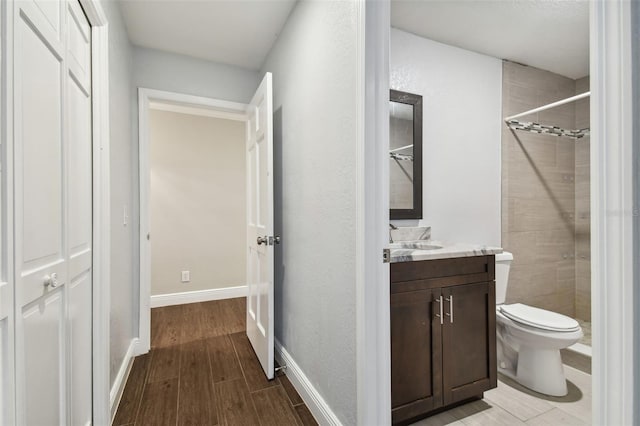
column 51, row 280
column 276, row 239
column 262, row 240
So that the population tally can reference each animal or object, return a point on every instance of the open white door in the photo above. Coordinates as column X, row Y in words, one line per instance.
column 260, row 238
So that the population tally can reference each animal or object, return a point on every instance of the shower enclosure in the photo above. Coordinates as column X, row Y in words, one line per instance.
column 546, row 192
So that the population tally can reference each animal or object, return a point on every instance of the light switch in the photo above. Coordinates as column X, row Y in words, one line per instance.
column 186, row 276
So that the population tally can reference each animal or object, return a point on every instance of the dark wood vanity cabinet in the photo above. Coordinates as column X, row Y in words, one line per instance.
column 443, row 338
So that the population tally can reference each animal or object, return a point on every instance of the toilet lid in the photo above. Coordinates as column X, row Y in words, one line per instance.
column 539, row 318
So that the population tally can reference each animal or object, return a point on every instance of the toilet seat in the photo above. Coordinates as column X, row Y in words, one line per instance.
column 539, row 318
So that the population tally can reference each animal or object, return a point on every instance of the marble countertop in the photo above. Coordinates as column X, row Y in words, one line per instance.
column 447, row 251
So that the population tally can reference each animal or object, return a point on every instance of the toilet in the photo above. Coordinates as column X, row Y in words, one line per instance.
column 529, row 339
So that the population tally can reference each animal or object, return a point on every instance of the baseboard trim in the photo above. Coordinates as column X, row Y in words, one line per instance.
column 121, row 379
column 314, row 401
column 198, row 296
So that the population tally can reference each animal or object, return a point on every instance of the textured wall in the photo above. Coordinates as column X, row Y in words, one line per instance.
column 583, row 208
column 124, row 299
column 538, row 184
column 198, row 198
column 314, row 66
column 462, row 100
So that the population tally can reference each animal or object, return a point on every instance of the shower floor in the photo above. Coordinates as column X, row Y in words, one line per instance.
column 586, row 329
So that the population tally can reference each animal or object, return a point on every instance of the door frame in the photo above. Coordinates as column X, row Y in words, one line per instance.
column 100, row 188
column 615, row 215
column 179, row 102
column 615, row 239
column 373, row 327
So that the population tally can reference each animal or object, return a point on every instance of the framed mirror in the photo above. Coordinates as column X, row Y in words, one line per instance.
column 405, row 155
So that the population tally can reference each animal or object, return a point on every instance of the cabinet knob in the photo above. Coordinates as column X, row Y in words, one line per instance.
column 440, row 303
column 450, row 313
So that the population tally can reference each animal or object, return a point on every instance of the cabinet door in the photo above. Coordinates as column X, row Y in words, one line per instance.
column 416, row 363
column 469, row 341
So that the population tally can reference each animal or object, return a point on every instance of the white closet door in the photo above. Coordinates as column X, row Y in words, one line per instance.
column 79, row 204
column 52, row 203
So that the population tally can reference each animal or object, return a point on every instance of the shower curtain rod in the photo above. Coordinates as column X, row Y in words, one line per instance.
column 401, row 148
column 549, row 106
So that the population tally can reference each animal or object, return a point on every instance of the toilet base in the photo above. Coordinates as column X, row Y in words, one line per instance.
column 539, row 370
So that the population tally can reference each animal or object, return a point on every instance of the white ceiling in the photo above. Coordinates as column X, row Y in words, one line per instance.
column 549, row 34
column 235, row 32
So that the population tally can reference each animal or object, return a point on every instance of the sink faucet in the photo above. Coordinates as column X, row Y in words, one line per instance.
column 391, row 226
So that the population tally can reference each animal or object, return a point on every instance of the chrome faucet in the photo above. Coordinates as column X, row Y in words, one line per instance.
column 391, row 227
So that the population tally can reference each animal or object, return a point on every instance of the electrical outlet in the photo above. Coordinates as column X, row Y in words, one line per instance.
column 186, row 276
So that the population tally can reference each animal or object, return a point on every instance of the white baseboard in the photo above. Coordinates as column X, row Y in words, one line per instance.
column 314, row 401
column 121, row 379
column 198, row 296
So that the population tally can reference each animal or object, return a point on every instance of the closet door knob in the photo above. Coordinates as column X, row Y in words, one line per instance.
column 51, row 280
column 263, row 240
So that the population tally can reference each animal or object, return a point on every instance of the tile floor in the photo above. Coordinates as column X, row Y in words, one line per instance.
column 202, row 370
column 512, row 404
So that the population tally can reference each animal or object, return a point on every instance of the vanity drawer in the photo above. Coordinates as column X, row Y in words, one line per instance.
column 444, row 272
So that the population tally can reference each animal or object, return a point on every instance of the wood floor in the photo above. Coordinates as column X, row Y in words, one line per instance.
column 202, row 370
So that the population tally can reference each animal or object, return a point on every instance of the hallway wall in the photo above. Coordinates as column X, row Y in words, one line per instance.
column 124, row 299
column 154, row 69
column 315, row 69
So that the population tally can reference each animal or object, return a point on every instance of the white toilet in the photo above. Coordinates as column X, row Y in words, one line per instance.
column 529, row 339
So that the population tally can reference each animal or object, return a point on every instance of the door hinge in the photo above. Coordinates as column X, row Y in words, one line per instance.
column 386, row 255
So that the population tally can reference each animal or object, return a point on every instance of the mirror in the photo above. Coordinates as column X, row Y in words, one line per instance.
column 405, row 155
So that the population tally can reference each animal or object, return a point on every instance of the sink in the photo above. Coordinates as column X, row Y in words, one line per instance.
column 414, row 245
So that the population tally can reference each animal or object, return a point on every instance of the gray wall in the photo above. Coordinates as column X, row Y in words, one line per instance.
column 314, row 66
column 124, row 299
column 154, row 69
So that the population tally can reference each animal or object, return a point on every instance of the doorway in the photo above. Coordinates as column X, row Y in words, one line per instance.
column 188, row 209
column 197, row 205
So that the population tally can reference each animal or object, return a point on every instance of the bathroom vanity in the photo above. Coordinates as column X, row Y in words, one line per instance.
column 443, row 333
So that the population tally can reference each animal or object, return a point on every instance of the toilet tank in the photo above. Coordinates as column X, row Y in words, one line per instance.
column 503, row 263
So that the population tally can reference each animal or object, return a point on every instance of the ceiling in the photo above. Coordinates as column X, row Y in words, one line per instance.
column 235, row 32
column 549, row 34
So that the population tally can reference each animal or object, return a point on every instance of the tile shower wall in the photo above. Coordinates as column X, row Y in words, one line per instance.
column 583, row 208
column 539, row 188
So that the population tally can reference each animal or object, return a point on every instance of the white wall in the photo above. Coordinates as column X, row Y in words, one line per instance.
column 124, row 310
column 314, row 66
column 462, row 106
column 155, row 69
column 197, row 202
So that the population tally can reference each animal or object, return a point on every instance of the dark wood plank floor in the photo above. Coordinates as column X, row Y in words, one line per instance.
column 202, row 370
